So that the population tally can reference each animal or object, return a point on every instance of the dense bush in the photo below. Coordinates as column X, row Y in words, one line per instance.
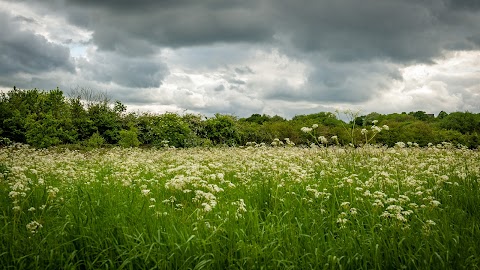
column 48, row 118
column 128, row 138
column 96, row 140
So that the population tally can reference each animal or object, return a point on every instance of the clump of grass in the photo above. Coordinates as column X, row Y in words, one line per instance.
column 241, row 208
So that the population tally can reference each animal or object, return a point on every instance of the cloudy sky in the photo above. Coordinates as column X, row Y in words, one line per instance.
column 242, row 57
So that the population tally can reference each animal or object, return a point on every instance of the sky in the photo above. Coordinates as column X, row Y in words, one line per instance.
column 240, row 57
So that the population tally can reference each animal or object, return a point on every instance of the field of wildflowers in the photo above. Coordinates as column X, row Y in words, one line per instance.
column 248, row 207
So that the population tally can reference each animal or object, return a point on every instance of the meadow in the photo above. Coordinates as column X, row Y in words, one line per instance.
column 255, row 207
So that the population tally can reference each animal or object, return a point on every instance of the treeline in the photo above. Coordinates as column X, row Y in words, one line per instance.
column 85, row 119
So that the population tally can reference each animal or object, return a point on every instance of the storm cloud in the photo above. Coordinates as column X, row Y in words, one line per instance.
column 124, row 71
column 24, row 51
column 343, row 30
column 251, row 56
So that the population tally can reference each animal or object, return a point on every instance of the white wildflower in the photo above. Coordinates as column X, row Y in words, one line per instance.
column 434, row 203
column 345, row 204
column 306, row 129
column 400, row 144
column 207, row 207
column 323, row 140
column 376, row 129
column 33, row 227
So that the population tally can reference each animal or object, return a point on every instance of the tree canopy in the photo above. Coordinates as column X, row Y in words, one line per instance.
column 49, row 118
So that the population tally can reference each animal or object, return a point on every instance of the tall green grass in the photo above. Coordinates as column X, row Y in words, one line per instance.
column 325, row 208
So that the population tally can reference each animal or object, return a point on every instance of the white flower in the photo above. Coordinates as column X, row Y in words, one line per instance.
column 207, row 207
column 323, row 140
column 431, row 222
column 314, row 126
column 364, row 131
column 386, row 127
column 306, row 129
column 377, row 203
column 342, row 220
column 13, row 194
column 345, row 204
column 375, row 122
column 434, row 203
column 33, row 227
column 400, row 144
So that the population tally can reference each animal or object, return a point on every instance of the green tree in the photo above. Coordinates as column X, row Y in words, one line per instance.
column 106, row 121
column 156, row 129
column 442, row 115
column 128, row 138
column 222, row 129
column 465, row 122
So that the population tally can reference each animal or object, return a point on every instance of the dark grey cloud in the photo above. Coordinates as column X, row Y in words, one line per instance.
column 219, row 88
column 343, row 30
column 210, row 57
column 468, row 5
column 475, row 39
column 346, row 30
column 169, row 23
column 243, row 70
column 25, row 51
column 124, row 71
column 21, row 18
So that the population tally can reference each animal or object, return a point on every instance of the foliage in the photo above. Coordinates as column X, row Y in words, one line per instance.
column 222, row 129
column 96, row 140
column 48, row 118
column 157, row 130
column 463, row 122
column 128, row 138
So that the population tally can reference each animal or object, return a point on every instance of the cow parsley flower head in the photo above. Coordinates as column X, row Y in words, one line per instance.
column 33, row 227
column 323, row 140
column 400, row 144
column 207, row 207
column 376, row 129
column 306, row 129
column 430, row 222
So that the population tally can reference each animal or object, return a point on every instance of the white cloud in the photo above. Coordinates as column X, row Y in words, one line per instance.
column 451, row 84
